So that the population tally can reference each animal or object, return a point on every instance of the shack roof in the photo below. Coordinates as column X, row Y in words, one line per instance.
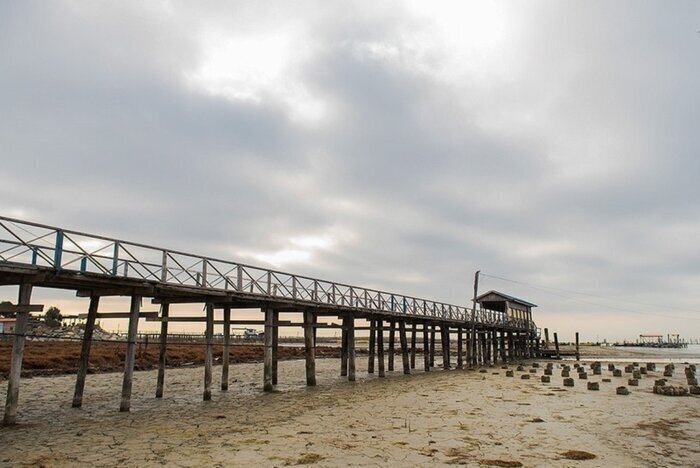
column 505, row 297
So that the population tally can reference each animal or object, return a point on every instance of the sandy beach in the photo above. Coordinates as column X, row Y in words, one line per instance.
column 478, row 417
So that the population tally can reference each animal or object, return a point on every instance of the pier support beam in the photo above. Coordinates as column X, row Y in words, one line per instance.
column 578, row 355
column 10, row 418
column 460, row 361
column 432, row 345
column 130, row 353
column 226, row 350
column 494, row 343
column 162, row 351
column 344, row 348
column 413, row 345
column 404, row 348
column 208, row 352
column 275, row 345
column 85, row 352
column 380, row 347
column 556, row 345
column 511, row 351
column 484, row 348
column 445, row 343
column 392, row 340
column 351, row 348
column 310, row 348
column 372, row 346
column 426, row 348
column 267, row 352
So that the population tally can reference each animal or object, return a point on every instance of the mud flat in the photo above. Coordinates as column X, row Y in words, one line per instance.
column 437, row 418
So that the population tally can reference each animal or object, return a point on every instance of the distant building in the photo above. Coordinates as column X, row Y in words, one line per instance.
column 517, row 310
column 7, row 325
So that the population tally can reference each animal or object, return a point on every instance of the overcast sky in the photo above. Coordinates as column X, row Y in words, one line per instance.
column 395, row 145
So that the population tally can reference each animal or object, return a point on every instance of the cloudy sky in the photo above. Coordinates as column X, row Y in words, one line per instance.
column 396, row 145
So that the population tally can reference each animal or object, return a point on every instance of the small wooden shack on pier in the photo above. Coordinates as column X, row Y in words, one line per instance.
column 516, row 310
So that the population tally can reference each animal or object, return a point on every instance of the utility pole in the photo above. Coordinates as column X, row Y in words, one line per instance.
column 473, row 333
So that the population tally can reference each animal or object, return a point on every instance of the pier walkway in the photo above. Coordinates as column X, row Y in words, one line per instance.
column 35, row 255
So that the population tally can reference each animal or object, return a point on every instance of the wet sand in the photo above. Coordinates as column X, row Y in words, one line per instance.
column 442, row 417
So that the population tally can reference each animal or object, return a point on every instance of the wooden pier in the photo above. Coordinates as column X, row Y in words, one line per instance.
column 34, row 255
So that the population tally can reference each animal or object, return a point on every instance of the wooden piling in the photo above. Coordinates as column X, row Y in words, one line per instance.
column 85, row 352
column 208, row 351
column 404, row 348
column 460, row 362
column 310, row 348
column 556, row 345
column 162, row 350
column 267, row 351
column 22, row 319
column 432, row 345
column 380, row 347
column 225, row 358
column 578, row 355
column 445, row 344
column 344, row 348
column 351, row 348
column 130, row 353
column 372, row 346
column 392, row 338
column 494, row 344
column 413, row 345
column 426, row 348
column 484, row 348
column 511, row 349
column 275, row 345
column 546, row 338
column 504, row 355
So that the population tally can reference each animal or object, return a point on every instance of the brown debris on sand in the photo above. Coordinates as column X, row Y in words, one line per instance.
column 578, row 455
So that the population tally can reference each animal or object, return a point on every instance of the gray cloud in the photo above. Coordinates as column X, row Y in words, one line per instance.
column 564, row 155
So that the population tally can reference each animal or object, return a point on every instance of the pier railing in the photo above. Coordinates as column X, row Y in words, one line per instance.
column 66, row 250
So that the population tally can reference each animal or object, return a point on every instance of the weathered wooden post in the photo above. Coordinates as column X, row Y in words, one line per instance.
column 432, row 345
column 351, row 348
column 546, row 338
column 22, row 319
column 162, row 350
column 372, row 346
column 392, row 338
column 445, row 344
column 130, row 353
column 413, row 345
column 380, row 346
column 275, row 345
column 85, row 351
column 310, row 346
column 504, row 355
column 556, row 345
column 226, row 349
column 267, row 356
column 460, row 362
column 344, row 347
column 511, row 347
column 404, row 348
column 494, row 343
column 484, row 348
column 473, row 320
column 578, row 355
column 426, row 348
column 208, row 351
column 487, row 345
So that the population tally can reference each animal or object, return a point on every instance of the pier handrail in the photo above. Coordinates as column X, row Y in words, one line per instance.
column 40, row 245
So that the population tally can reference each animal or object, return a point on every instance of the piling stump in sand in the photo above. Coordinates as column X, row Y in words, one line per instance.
column 569, row 382
column 670, row 390
column 510, row 373
column 617, row 373
column 659, row 382
column 611, row 367
column 545, row 379
column 694, row 390
column 622, row 391
column 651, row 366
column 633, row 383
column 583, row 376
column 593, row 386
column 564, row 373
